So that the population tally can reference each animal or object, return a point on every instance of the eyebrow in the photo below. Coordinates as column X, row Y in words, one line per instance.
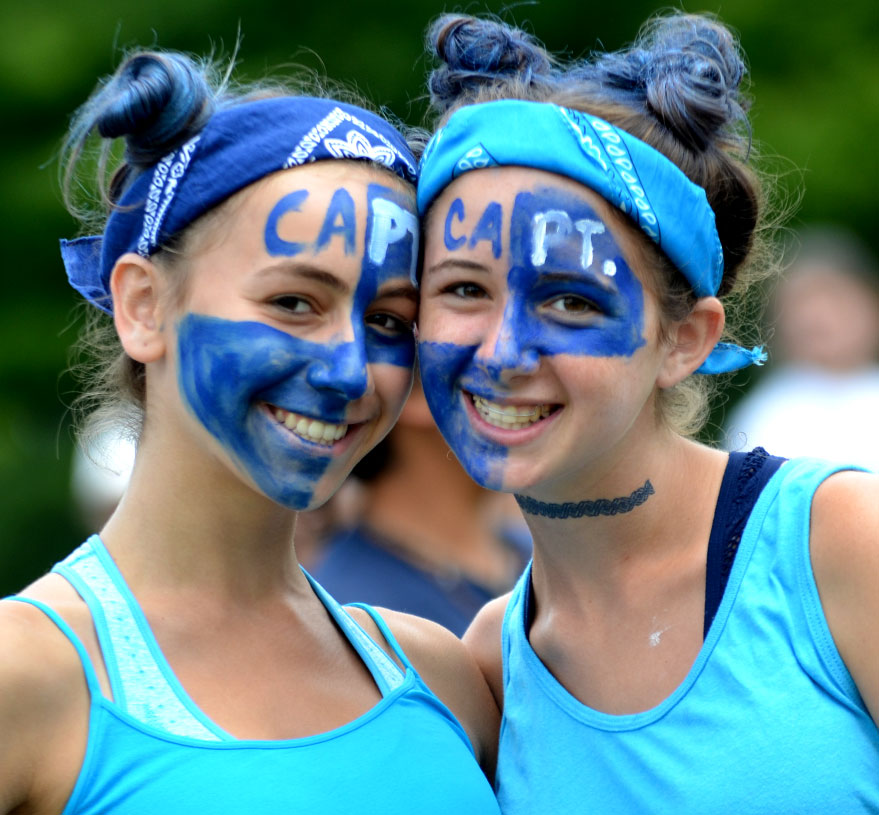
column 455, row 263
column 602, row 280
column 309, row 272
column 408, row 291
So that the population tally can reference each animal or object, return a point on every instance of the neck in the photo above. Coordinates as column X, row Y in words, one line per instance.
column 188, row 522
column 612, row 554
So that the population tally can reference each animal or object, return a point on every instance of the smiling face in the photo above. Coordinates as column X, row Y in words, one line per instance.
column 294, row 344
column 537, row 340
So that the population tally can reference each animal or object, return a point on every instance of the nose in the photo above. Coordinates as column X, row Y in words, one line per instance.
column 343, row 371
column 511, row 353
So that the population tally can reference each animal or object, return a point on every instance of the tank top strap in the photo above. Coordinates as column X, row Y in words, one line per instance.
column 386, row 632
column 91, row 677
column 384, row 670
column 141, row 681
column 517, row 618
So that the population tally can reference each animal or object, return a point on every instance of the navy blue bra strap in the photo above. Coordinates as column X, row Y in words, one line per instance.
column 91, row 677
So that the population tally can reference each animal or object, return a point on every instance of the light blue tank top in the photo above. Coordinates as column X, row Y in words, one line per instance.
column 767, row 721
column 151, row 750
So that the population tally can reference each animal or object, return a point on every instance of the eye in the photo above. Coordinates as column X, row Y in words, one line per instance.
column 293, row 304
column 466, row 291
column 389, row 324
column 572, row 305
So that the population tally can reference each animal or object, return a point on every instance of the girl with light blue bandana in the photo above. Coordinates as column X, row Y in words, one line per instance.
column 694, row 633
column 258, row 263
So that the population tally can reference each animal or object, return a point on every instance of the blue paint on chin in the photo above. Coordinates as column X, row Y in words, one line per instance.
column 228, row 371
column 445, row 368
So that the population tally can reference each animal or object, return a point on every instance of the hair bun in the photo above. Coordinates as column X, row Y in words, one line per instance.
column 692, row 69
column 156, row 101
column 478, row 52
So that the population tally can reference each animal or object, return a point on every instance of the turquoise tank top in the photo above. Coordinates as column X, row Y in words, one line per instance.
column 767, row 721
column 152, row 750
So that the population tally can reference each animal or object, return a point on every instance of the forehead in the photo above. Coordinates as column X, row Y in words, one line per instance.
column 479, row 188
column 300, row 200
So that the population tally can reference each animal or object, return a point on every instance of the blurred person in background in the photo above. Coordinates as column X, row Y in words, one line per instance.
column 425, row 538
column 819, row 395
column 257, row 256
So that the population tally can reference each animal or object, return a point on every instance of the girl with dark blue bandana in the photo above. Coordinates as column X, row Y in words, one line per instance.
column 259, row 265
column 694, row 633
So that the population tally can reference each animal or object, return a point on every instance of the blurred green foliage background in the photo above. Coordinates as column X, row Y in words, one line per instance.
column 814, row 72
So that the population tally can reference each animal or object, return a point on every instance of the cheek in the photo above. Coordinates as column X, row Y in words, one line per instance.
column 392, row 384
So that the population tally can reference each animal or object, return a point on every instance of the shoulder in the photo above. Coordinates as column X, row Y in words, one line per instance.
column 844, row 548
column 449, row 670
column 483, row 639
column 43, row 700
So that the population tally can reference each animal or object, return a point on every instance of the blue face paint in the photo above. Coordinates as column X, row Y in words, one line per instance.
column 489, row 228
column 229, row 371
column 443, row 367
column 341, row 207
column 559, row 248
column 456, row 210
column 275, row 244
column 391, row 254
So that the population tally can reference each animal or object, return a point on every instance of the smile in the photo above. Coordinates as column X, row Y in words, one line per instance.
column 312, row 430
column 510, row 417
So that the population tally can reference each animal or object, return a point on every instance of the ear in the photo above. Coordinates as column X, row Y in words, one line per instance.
column 691, row 341
column 136, row 286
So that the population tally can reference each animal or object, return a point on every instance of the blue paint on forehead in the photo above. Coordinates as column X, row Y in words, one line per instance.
column 489, row 228
column 340, row 220
column 456, row 211
column 275, row 244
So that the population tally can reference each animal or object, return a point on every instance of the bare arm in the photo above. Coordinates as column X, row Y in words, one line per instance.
column 483, row 639
column 449, row 670
column 845, row 560
column 43, row 713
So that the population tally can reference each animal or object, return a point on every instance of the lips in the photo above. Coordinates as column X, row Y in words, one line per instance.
column 313, row 430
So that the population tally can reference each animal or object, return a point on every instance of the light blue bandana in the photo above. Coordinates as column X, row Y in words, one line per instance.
column 238, row 145
column 651, row 190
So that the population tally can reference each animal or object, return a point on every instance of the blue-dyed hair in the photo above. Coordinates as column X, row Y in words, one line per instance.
column 678, row 87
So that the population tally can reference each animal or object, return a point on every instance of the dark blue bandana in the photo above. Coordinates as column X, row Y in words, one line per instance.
column 238, row 146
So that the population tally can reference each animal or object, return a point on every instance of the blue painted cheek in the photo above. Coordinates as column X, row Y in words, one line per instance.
column 444, row 367
column 228, row 369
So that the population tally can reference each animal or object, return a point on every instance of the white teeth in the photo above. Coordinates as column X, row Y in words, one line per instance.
column 510, row 417
column 313, row 430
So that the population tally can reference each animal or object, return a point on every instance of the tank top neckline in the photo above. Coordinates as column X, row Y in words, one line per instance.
column 229, row 741
column 516, row 623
